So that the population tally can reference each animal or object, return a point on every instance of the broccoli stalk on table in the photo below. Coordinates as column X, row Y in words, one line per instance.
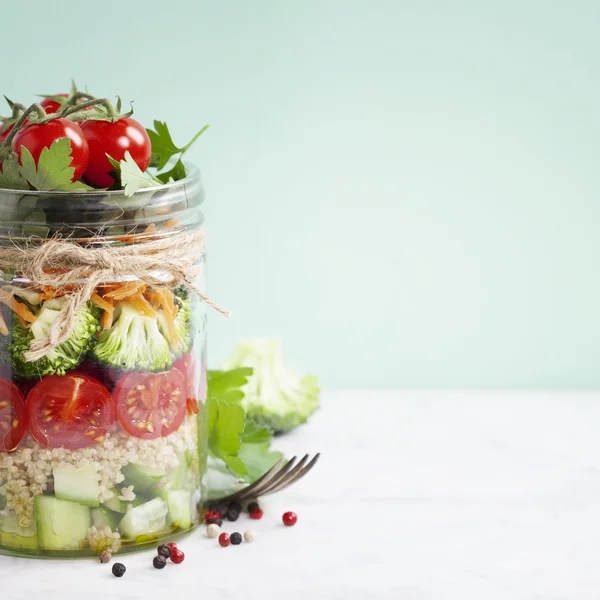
column 67, row 355
column 274, row 396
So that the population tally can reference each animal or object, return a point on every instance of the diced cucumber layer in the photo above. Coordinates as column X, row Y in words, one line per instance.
column 18, row 542
column 180, row 508
column 114, row 503
column 61, row 525
column 146, row 518
column 77, row 485
column 102, row 517
column 141, row 477
column 9, row 523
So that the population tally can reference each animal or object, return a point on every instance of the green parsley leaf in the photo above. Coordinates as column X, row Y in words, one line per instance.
column 226, row 385
column 53, row 171
column 175, row 174
column 132, row 177
column 163, row 147
column 254, row 433
column 257, row 459
column 239, row 442
column 10, row 176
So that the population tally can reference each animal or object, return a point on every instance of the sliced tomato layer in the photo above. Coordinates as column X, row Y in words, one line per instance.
column 151, row 405
column 70, row 411
column 13, row 419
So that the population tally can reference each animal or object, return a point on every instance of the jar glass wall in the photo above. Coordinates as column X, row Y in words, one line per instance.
column 103, row 440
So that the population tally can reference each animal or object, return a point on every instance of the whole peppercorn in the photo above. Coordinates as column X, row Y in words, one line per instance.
column 172, row 545
column 224, row 540
column 220, row 508
column 212, row 515
column 213, row 530
column 105, row 556
column 177, row 556
column 236, row 538
column 164, row 551
column 159, row 562
column 118, row 569
column 232, row 515
column 289, row 518
column 235, row 506
column 256, row 514
column 253, row 506
column 249, row 536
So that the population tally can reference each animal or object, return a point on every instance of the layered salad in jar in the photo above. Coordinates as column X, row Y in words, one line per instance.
column 102, row 436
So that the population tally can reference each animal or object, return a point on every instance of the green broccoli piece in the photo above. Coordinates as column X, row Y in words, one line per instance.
column 275, row 396
column 182, row 343
column 64, row 357
column 134, row 342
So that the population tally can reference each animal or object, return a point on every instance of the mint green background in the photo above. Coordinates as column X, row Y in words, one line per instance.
column 406, row 192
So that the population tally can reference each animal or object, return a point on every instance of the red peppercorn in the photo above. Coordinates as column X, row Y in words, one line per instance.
column 172, row 545
column 212, row 515
column 177, row 556
column 256, row 514
column 289, row 518
column 224, row 540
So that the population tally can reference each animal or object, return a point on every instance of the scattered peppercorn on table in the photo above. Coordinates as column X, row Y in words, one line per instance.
column 422, row 496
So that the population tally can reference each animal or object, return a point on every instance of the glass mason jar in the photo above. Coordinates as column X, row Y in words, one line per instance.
column 103, row 441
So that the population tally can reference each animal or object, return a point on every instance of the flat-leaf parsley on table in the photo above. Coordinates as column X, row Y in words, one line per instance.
column 233, row 438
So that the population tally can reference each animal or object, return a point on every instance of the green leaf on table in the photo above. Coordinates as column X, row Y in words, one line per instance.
column 10, row 176
column 226, row 385
column 225, row 425
column 163, row 146
column 254, row 433
column 53, row 171
column 258, row 459
column 132, row 177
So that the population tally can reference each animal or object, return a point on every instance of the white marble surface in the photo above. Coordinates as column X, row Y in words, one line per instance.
column 418, row 495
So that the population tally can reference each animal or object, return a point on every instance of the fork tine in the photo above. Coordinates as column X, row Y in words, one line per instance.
column 266, row 477
column 258, row 490
column 290, row 475
column 293, row 477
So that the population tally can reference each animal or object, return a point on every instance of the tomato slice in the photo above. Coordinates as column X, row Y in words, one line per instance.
column 70, row 411
column 13, row 420
column 151, row 405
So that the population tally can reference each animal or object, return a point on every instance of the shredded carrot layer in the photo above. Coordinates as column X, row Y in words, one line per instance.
column 143, row 305
column 130, row 288
column 22, row 311
column 3, row 327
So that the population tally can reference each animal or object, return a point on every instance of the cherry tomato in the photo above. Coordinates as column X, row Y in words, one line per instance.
column 36, row 137
column 70, row 411
column 4, row 135
column 114, row 139
column 13, row 420
column 52, row 106
column 151, row 405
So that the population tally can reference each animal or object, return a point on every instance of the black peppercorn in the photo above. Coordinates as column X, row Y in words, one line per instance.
column 235, row 506
column 164, row 550
column 232, row 515
column 236, row 538
column 253, row 506
column 118, row 569
column 159, row 562
column 218, row 522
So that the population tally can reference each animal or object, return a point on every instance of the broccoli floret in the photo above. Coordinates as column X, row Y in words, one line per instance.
column 274, row 396
column 134, row 342
column 182, row 342
column 64, row 357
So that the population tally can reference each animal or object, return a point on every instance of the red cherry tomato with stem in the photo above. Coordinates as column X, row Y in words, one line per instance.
column 37, row 136
column 13, row 418
column 151, row 405
column 69, row 411
column 52, row 106
column 114, row 139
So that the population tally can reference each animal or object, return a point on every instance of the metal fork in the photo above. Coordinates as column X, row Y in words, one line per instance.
column 280, row 476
